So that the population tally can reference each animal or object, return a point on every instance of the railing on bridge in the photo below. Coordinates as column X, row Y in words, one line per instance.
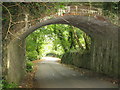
column 78, row 10
column 89, row 11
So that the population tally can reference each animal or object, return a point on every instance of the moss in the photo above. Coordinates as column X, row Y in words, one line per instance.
column 77, row 59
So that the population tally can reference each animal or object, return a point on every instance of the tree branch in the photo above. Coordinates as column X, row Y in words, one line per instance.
column 10, row 21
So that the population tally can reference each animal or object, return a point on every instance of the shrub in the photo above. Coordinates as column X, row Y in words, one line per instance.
column 4, row 84
column 29, row 66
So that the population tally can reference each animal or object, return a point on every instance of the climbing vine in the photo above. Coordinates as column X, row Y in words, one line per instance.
column 14, row 12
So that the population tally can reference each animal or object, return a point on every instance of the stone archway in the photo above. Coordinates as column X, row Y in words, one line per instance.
column 104, row 49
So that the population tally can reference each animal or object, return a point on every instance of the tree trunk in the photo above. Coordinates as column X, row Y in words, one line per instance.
column 86, row 41
column 71, row 39
column 77, row 39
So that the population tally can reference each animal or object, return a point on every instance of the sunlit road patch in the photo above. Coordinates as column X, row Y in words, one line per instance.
column 47, row 59
column 50, row 59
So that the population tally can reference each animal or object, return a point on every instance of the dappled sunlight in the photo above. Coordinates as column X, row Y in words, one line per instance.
column 47, row 59
column 50, row 59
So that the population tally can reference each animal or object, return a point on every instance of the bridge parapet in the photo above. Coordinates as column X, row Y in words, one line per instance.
column 79, row 10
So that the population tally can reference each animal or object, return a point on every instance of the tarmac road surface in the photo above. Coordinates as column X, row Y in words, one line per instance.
column 51, row 74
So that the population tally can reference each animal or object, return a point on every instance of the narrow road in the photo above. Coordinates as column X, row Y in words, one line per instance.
column 51, row 74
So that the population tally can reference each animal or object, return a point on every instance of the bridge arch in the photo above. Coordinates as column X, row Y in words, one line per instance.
column 90, row 25
column 104, row 48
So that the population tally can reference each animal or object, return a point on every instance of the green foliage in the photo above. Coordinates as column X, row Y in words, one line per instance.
column 33, row 45
column 53, row 55
column 112, row 11
column 31, row 55
column 113, row 7
column 57, row 39
column 34, row 9
column 4, row 84
column 29, row 66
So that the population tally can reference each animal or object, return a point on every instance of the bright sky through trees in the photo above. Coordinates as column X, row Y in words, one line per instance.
column 56, row 39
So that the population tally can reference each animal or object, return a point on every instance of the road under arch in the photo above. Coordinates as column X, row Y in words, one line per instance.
column 104, row 47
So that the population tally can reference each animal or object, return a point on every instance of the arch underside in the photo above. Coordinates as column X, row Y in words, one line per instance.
column 89, row 25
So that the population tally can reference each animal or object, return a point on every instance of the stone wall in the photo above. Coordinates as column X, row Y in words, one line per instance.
column 77, row 58
column 16, row 61
column 102, row 58
column 105, row 56
column 0, row 54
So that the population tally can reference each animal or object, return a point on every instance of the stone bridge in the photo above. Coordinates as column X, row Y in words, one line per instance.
column 104, row 43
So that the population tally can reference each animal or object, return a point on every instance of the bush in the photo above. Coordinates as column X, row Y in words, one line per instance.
column 4, row 84
column 31, row 55
column 53, row 55
column 29, row 66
